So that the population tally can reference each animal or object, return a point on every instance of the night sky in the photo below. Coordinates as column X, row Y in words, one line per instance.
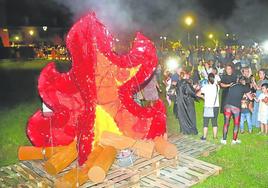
column 246, row 18
column 42, row 12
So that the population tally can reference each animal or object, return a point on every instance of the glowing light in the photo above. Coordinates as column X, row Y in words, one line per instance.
column 189, row 20
column 45, row 28
column 17, row 38
column 31, row 32
column 5, row 30
column 197, row 37
column 210, row 36
column 172, row 64
column 227, row 35
column 265, row 46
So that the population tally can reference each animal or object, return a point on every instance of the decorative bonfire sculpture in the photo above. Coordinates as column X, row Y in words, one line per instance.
column 93, row 110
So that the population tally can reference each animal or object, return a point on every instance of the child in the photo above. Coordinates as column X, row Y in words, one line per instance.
column 263, row 108
column 245, row 115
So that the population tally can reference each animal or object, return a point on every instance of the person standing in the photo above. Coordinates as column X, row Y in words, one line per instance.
column 150, row 91
column 233, row 108
column 211, row 106
column 263, row 109
column 245, row 115
column 184, row 108
column 257, row 86
column 227, row 79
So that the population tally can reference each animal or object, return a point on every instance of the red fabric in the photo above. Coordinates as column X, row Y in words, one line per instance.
column 73, row 96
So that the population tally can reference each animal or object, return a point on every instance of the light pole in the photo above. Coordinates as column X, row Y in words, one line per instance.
column 188, row 22
column 197, row 41
column 163, row 40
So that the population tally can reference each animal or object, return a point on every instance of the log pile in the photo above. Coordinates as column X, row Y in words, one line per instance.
column 99, row 161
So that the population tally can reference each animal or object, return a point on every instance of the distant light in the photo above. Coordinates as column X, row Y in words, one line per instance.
column 161, row 37
column 265, row 46
column 17, row 38
column 117, row 40
column 31, row 32
column 45, row 28
column 227, row 35
column 197, row 37
column 172, row 64
column 5, row 30
column 210, row 36
column 188, row 20
column 165, row 38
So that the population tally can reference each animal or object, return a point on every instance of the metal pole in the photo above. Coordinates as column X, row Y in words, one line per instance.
column 188, row 38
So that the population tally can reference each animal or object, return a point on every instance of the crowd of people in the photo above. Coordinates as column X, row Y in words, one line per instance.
column 56, row 52
column 231, row 81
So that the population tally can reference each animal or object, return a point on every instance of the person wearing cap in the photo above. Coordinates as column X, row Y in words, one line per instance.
column 233, row 108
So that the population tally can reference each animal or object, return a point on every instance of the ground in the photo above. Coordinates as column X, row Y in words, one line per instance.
column 244, row 165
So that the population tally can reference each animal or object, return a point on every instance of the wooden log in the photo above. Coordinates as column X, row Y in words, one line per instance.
column 37, row 153
column 117, row 141
column 165, row 148
column 102, row 164
column 61, row 159
column 144, row 148
column 78, row 176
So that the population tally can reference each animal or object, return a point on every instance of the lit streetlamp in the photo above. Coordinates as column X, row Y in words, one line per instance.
column 210, row 36
column 45, row 28
column 31, row 32
column 197, row 40
column 17, row 38
column 188, row 22
column 163, row 40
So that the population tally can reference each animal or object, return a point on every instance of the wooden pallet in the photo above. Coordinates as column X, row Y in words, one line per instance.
column 189, row 172
column 153, row 165
column 186, row 171
column 19, row 175
column 192, row 147
column 117, row 177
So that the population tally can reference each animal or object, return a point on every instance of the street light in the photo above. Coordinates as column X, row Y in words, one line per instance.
column 163, row 40
column 45, row 28
column 197, row 42
column 31, row 32
column 210, row 36
column 17, row 38
column 188, row 22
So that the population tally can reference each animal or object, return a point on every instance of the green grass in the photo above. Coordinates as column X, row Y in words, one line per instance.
column 26, row 65
column 244, row 165
column 13, row 125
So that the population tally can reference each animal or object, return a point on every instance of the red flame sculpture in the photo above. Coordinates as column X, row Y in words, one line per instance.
column 93, row 80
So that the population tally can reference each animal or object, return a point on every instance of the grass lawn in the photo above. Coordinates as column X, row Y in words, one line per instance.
column 35, row 64
column 244, row 165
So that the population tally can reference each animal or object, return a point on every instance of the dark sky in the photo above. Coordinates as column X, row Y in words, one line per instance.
column 47, row 12
column 247, row 18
